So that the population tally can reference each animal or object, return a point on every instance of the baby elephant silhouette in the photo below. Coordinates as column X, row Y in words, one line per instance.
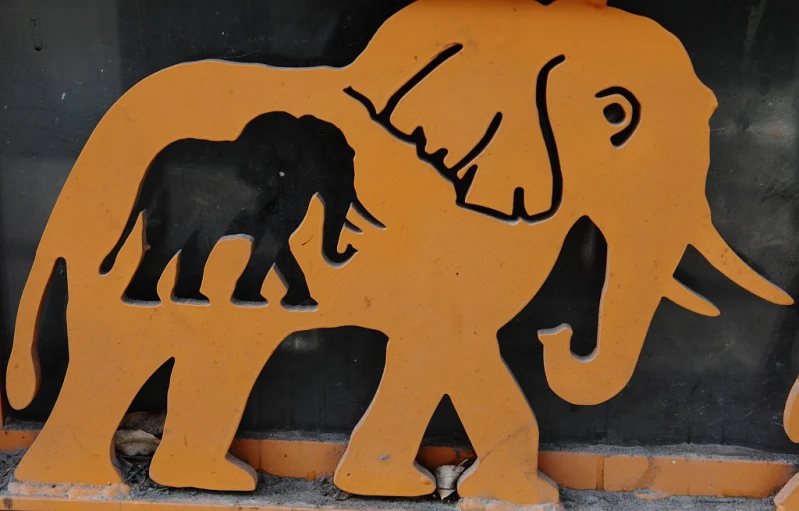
column 259, row 185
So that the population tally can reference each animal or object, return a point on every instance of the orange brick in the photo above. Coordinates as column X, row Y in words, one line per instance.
column 300, row 458
column 247, row 450
column 695, row 476
column 574, row 470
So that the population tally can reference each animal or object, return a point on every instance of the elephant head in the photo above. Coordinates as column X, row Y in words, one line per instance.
column 550, row 113
column 336, row 190
column 631, row 123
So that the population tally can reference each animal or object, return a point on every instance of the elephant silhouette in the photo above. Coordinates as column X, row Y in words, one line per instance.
column 258, row 185
column 479, row 145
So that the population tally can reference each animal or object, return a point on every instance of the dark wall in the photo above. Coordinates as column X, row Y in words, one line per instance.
column 704, row 380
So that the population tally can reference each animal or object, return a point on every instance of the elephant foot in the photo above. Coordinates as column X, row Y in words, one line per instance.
column 57, row 460
column 292, row 300
column 507, row 477
column 384, row 478
column 180, row 471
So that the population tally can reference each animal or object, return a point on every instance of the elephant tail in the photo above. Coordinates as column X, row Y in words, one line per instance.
column 110, row 259
column 23, row 374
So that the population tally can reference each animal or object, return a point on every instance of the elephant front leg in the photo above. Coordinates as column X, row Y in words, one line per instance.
column 380, row 457
column 503, row 431
column 207, row 394
column 273, row 250
column 297, row 292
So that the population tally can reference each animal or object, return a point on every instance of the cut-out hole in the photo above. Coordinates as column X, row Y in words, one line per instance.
column 51, row 345
column 445, row 426
column 571, row 294
column 621, row 138
column 317, row 380
column 259, row 185
column 152, row 396
column 36, row 33
column 614, row 113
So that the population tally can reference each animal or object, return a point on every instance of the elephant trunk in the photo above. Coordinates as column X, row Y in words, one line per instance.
column 626, row 309
column 335, row 219
column 635, row 283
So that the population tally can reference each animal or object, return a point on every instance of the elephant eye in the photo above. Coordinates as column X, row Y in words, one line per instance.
column 617, row 115
column 614, row 113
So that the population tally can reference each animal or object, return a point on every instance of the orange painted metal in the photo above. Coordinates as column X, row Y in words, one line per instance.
column 788, row 497
column 439, row 280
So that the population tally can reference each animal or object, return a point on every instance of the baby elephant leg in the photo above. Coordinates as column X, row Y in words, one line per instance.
column 274, row 250
column 297, row 292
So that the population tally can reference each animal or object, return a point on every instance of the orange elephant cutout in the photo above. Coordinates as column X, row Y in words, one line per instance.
column 787, row 499
column 482, row 132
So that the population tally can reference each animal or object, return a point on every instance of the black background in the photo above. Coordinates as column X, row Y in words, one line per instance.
column 699, row 380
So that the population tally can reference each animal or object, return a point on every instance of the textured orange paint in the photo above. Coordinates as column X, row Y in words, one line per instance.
column 695, row 476
column 440, row 280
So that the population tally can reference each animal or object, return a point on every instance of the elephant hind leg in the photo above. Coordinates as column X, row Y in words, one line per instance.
column 75, row 446
column 380, row 457
column 504, row 433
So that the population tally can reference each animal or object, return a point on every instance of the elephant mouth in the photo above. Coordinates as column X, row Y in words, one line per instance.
column 462, row 183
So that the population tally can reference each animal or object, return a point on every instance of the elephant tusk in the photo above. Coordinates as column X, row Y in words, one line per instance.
column 721, row 256
column 351, row 226
column 365, row 214
column 689, row 299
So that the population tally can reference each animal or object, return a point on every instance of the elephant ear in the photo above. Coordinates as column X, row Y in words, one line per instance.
column 482, row 75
